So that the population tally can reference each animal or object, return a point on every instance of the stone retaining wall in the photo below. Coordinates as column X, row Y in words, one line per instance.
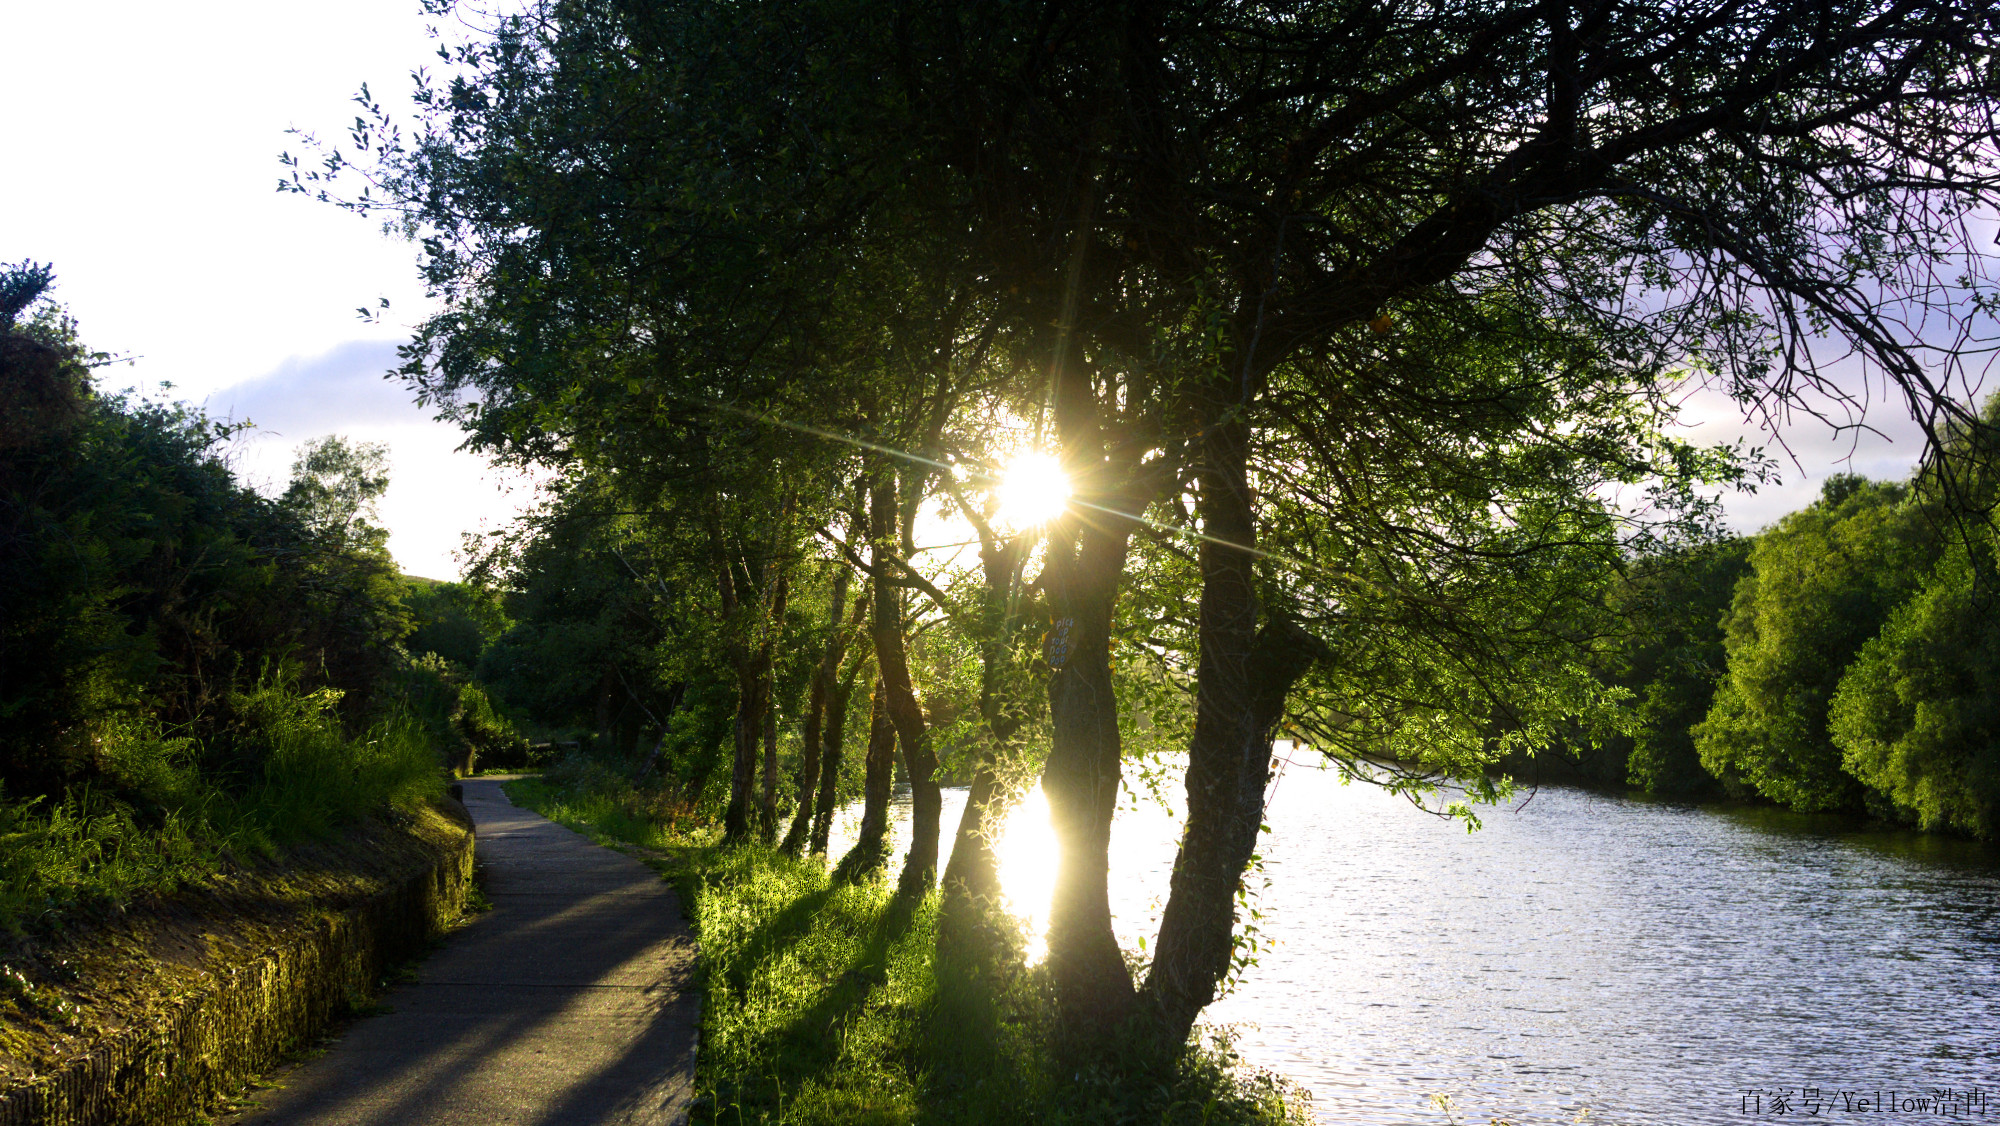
column 242, row 1014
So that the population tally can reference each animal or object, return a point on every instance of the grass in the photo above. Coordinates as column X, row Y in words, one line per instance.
column 830, row 1004
column 157, row 823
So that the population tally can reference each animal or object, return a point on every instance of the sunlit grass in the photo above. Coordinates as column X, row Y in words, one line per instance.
column 158, row 823
column 829, row 1004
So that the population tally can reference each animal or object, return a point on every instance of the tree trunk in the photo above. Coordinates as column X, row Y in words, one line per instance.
column 867, row 856
column 970, row 919
column 742, row 658
column 1092, row 986
column 1084, row 562
column 970, row 915
column 704, row 765
column 912, row 732
column 774, row 625
column 829, row 769
column 674, row 698
column 767, row 806
column 1242, row 680
column 822, row 683
column 809, row 748
column 601, row 731
column 710, row 748
column 652, row 757
column 752, row 698
column 972, row 879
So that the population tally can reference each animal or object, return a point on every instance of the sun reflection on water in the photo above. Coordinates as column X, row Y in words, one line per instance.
column 1028, row 856
column 1143, row 837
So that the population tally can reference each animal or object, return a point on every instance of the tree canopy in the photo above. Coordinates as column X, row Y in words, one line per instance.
column 1357, row 330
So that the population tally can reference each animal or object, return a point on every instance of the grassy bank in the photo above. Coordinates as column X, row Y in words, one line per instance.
column 151, row 1013
column 163, row 816
column 828, row 1004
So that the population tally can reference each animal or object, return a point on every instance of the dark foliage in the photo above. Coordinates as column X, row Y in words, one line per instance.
column 140, row 582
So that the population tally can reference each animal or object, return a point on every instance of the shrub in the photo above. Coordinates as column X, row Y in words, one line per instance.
column 156, row 822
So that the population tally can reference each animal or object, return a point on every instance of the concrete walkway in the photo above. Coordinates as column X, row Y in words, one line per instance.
column 567, row 1004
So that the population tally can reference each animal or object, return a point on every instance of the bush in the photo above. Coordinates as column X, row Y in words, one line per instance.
column 160, row 823
column 189, row 671
column 139, row 578
column 461, row 718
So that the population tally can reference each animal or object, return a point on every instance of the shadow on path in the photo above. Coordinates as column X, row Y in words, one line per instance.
column 569, row 1004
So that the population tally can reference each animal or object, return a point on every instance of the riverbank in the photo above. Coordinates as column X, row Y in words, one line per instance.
column 828, row 1004
column 151, row 1011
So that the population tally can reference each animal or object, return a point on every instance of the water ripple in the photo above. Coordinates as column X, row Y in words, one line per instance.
column 1646, row 963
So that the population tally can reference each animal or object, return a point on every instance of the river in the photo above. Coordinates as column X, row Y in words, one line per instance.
column 1586, row 955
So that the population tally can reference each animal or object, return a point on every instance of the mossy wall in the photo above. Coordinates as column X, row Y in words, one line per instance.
column 262, row 989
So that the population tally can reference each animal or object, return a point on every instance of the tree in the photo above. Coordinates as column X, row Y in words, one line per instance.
column 1002, row 618
column 22, row 284
column 583, row 649
column 1917, row 715
column 1344, row 169
column 335, row 486
column 822, row 735
column 1675, row 658
column 141, row 584
column 456, row 621
column 868, row 852
column 1228, row 248
column 1821, row 584
column 833, row 743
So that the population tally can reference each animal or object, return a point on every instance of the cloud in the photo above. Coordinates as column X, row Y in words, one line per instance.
column 1883, row 443
column 437, row 493
column 339, row 389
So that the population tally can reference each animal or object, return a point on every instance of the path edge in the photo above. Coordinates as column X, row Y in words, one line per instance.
column 253, row 1011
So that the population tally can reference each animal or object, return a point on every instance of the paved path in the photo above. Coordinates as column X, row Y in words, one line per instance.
column 567, row 1004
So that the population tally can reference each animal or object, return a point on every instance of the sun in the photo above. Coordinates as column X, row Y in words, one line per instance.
column 1033, row 490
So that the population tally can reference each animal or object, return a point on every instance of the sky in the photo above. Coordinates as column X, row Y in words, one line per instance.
column 142, row 161
column 142, row 158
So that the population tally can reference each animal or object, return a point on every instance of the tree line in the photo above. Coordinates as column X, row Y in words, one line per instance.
column 1843, row 659
column 191, row 670
column 1356, row 330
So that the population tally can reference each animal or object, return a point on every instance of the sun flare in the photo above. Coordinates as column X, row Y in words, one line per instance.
column 1033, row 490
